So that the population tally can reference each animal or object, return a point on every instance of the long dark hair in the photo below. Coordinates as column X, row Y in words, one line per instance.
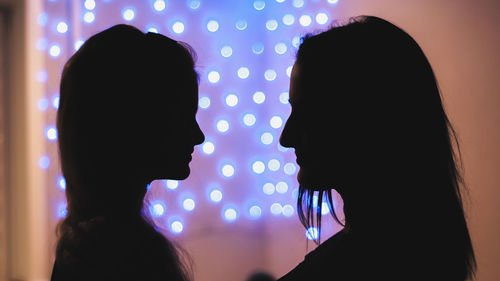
column 112, row 97
column 394, row 144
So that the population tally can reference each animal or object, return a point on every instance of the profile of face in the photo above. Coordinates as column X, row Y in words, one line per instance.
column 303, row 132
column 173, row 137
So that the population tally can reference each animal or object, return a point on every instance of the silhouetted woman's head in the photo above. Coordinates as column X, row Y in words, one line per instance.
column 126, row 117
column 367, row 120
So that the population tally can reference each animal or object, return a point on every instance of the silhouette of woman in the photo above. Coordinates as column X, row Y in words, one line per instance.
column 367, row 120
column 127, row 110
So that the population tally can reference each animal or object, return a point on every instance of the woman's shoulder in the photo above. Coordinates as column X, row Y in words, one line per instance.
column 327, row 261
column 103, row 249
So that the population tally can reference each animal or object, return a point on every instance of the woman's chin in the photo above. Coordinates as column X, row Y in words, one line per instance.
column 313, row 181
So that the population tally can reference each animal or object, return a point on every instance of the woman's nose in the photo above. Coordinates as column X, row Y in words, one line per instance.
column 199, row 137
column 286, row 138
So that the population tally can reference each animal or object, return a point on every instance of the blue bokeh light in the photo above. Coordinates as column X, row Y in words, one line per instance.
column 159, row 5
column 204, row 102
column 61, row 183
column 188, row 204
column 288, row 19
column 157, row 208
column 128, row 14
column 89, row 17
column 176, row 226
column 258, row 48
column 212, row 25
column 89, row 4
column 178, row 27
column 226, row 51
column 172, row 184
column 216, row 195
column 241, row 24
column 230, row 214
column 276, row 209
column 259, row 5
column 255, row 211
column 208, row 147
column 44, row 162
column 312, row 233
column 51, row 133
column 194, row 4
column 271, row 25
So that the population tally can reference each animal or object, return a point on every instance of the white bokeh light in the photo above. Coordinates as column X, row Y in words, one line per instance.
column 273, row 165
column 249, row 119
column 288, row 19
column 289, row 169
column 288, row 210
column 268, row 188
column 259, row 5
column 78, row 44
column 305, row 20
column 216, row 195
column 176, row 227
column 296, row 41
column 298, row 3
column 194, row 4
column 204, row 102
column 159, row 5
column 61, row 182
column 243, row 72
column 276, row 209
column 188, row 204
column 281, row 187
column 230, row 214
column 89, row 4
column 271, row 25
column 55, row 51
column 178, row 27
column 321, row 18
column 153, row 29
column 258, row 167
column 172, row 184
column 208, row 147
column 88, row 17
column 289, row 70
column 212, row 25
column 51, row 133
column 266, row 138
column 128, row 14
column 241, row 24
column 284, row 98
column 158, row 209
column 280, row 48
column 228, row 170
column 255, row 211
column 213, row 76
column 270, row 74
column 276, row 122
column 258, row 48
column 226, row 51
column 259, row 97
column 62, row 27
column 222, row 126
column 231, row 100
